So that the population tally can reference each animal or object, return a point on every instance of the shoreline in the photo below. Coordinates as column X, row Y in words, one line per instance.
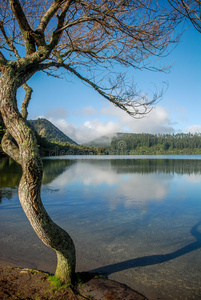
column 4, row 263
column 16, row 281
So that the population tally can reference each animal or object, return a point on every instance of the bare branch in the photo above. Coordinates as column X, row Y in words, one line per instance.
column 86, row 37
column 9, row 41
column 26, row 100
column 189, row 9
column 24, row 25
column 48, row 15
column 10, row 148
column 61, row 19
column 3, row 61
column 130, row 101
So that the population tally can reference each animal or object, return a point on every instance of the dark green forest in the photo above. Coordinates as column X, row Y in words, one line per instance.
column 53, row 142
column 144, row 143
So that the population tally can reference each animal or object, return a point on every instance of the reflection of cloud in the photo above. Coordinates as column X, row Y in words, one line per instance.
column 192, row 178
column 140, row 189
column 87, row 174
column 133, row 190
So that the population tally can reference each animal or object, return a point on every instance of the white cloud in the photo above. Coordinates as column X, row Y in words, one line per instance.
column 157, row 121
column 86, row 111
column 193, row 129
column 88, row 131
column 111, row 120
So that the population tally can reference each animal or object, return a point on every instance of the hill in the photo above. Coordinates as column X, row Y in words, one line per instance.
column 103, row 141
column 51, row 133
column 145, row 143
column 53, row 142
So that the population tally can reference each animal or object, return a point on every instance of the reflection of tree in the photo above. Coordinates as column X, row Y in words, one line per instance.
column 53, row 168
column 10, row 174
column 7, row 193
column 164, row 166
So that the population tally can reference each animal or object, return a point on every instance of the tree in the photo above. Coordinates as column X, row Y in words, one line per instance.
column 83, row 38
column 188, row 9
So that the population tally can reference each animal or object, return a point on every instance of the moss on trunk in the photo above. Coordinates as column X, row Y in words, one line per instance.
column 20, row 143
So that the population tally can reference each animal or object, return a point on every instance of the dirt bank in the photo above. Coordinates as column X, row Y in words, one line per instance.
column 17, row 283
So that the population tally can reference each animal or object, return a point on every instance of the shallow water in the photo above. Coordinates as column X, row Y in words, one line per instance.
column 136, row 219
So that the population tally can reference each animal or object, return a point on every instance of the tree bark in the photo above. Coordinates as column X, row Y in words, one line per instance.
column 20, row 143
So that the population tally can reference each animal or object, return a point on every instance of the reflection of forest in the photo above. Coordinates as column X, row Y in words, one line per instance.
column 164, row 166
column 54, row 167
column 10, row 172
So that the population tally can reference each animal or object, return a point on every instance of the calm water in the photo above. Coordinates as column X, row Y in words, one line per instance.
column 137, row 220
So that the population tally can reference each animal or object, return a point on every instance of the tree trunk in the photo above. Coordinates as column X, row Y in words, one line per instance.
column 20, row 143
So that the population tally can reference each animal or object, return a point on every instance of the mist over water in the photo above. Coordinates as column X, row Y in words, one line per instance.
column 135, row 219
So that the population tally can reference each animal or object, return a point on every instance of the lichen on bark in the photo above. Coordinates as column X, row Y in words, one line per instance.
column 19, row 142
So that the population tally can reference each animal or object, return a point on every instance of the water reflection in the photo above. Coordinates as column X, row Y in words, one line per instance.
column 9, row 178
column 9, row 173
column 134, row 187
column 136, row 182
column 136, row 220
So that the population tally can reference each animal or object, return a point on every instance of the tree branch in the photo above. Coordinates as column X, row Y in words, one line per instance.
column 3, row 61
column 26, row 101
column 61, row 18
column 131, row 102
column 10, row 148
column 48, row 15
column 24, row 25
column 9, row 41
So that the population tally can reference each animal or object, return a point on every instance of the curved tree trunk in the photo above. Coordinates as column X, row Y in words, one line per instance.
column 20, row 143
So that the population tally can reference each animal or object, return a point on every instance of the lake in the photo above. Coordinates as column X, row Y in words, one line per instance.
column 135, row 218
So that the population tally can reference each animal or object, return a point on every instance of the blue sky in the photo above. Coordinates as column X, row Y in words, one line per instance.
column 83, row 114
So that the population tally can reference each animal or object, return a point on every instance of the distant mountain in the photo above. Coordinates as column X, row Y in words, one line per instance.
column 103, row 141
column 47, row 130
column 106, row 140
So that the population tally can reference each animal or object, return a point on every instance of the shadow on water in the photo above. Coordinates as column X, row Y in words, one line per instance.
column 153, row 259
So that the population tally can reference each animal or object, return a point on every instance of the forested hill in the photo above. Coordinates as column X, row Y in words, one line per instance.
column 131, row 143
column 50, row 138
column 47, row 133
column 47, row 130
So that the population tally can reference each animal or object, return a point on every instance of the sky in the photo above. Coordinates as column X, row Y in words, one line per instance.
column 82, row 114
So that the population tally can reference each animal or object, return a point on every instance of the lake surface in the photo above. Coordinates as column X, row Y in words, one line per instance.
column 136, row 219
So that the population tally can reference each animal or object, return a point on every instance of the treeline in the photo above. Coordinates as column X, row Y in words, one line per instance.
column 134, row 144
